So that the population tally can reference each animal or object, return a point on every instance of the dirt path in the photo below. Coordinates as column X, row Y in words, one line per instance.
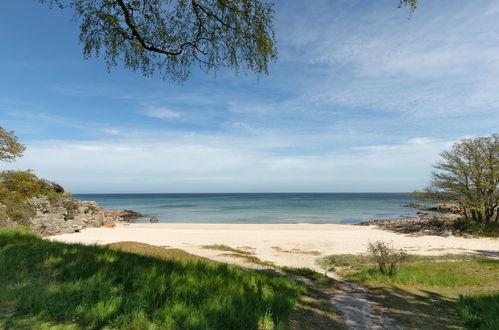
column 359, row 309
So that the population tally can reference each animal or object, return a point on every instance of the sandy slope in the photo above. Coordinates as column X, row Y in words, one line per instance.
column 296, row 245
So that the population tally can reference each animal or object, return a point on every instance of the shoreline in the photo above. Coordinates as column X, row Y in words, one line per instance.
column 294, row 245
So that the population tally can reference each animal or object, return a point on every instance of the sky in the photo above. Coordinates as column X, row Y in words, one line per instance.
column 361, row 99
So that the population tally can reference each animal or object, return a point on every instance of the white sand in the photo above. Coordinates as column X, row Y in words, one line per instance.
column 296, row 245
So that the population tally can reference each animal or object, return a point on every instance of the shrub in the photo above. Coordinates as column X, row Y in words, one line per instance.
column 17, row 187
column 387, row 257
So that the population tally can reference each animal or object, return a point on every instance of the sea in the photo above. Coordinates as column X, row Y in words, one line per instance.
column 260, row 208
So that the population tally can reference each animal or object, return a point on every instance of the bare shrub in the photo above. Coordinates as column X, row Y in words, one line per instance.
column 387, row 257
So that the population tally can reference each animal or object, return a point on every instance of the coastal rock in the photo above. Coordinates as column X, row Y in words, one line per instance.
column 66, row 215
column 441, row 208
column 124, row 215
column 153, row 219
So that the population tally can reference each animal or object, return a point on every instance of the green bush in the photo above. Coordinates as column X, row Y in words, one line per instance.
column 387, row 257
column 17, row 187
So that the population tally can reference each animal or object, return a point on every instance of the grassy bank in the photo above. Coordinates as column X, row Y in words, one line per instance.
column 48, row 284
column 446, row 292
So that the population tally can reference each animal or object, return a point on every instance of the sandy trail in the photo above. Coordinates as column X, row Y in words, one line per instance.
column 294, row 245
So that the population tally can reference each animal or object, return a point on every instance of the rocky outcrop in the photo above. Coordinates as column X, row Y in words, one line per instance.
column 425, row 225
column 124, row 215
column 441, row 208
column 69, row 215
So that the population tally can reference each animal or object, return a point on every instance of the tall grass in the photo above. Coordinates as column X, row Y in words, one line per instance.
column 480, row 311
column 101, row 287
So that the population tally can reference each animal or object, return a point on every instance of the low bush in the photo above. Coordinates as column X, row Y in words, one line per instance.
column 387, row 257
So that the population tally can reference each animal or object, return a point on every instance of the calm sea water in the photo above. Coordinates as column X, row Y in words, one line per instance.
column 260, row 208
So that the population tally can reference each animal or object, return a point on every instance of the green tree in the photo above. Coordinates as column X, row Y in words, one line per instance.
column 468, row 174
column 10, row 148
column 170, row 36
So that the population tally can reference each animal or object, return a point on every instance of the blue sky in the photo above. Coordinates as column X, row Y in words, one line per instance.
column 360, row 99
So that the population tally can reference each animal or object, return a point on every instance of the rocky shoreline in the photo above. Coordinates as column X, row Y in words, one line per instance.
column 69, row 215
column 438, row 220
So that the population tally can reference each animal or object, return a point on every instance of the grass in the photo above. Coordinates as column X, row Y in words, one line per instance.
column 62, row 286
column 221, row 247
column 443, row 292
column 314, row 310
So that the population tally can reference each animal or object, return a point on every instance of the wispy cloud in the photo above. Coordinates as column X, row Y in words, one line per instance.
column 161, row 113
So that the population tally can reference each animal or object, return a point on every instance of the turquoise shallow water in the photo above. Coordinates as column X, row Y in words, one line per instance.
column 260, row 208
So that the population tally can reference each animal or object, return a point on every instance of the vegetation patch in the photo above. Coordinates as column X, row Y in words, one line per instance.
column 18, row 187
column 222, row 247
column 48, row 283
column 449, row 291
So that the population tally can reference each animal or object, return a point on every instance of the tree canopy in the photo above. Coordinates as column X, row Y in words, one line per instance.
column 10, row 148
column 170, row 36
column 468, row 174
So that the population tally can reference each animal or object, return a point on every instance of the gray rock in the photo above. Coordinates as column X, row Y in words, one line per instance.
column 153, row 219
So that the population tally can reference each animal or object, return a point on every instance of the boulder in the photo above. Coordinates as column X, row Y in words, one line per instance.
column 153, row 219
column 67, row 215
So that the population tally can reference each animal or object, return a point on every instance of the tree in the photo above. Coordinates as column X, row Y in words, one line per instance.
column 170, row 36
column 10, row 148
column 468, row 175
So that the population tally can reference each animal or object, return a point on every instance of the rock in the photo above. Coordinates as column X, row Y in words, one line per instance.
column 67, row 215
column 125, row 215
column 442, row 208
column 416, row 206
column 153, row 219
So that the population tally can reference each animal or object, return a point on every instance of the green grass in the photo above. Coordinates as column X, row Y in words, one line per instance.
column 443, row 292
column 221, row 247
column 480, row 311
column 314, row 310
column 54, row 285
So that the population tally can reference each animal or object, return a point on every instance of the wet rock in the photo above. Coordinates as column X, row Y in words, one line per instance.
column 153, row 219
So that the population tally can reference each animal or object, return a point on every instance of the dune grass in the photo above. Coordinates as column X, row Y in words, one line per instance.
column 441, row 292
column 54, row 285
column 222, row 247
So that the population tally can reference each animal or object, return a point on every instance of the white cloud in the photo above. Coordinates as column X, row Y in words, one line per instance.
column 111, row 131
column 162, row 113
column 214, row 163
column 444, row 61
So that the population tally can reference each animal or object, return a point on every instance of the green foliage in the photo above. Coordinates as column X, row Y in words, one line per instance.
column 412, row 4
column 171, row 36
column 222, row 247
column 100, row 287
column 480, row 311
column 10, row 148
column 17, row 187
column 387, row 257
column 469, row 176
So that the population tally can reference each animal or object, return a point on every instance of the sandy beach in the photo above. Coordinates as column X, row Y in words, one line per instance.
column 295, row 245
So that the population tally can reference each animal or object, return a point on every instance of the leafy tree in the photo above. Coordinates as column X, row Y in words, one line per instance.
column 412, row 4
column 10, row 148
column 468, row 175
column 170, row 36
